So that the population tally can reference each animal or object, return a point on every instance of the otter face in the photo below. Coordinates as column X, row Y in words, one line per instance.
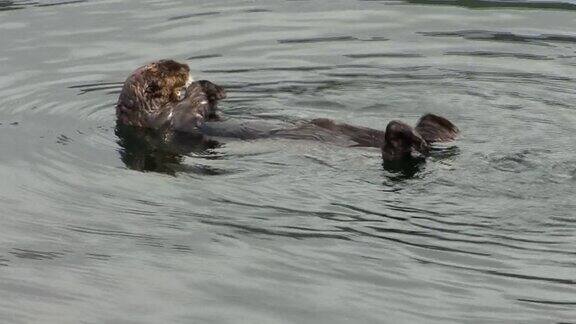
column 403, row 143
column 151, row 89
column 166, row 80
column 152, row 86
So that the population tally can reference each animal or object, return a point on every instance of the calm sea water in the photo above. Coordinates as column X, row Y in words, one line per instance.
column 94, row 230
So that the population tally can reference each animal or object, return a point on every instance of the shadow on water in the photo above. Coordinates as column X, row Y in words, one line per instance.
column 150, row 151
column 403, row 170
column 483, row 4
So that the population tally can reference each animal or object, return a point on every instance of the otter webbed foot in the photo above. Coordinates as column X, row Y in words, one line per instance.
column 434, row 128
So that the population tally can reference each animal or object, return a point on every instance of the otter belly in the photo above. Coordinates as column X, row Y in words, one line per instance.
column 242, row 128
column 253, row 129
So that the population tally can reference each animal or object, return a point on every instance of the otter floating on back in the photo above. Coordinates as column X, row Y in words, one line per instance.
column 163, row 96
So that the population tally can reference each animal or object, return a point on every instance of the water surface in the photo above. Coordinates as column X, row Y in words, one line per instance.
column 95, row 230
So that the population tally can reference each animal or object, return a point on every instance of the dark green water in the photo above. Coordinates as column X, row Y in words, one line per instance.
column 284, row 231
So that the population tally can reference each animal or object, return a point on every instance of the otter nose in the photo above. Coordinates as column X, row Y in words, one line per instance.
column 417, row 155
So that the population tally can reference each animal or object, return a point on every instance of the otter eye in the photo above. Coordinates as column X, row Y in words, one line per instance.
column 181, row 94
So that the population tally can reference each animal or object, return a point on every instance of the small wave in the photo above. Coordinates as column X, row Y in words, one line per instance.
column 523, row 56
column 36, row 255
column 317, row 40
column 202, row 57
column 548, row 302
column 197, row 14
column 101, row 86
column 501, row 36
column 389, row 55
column 499, row 273
column 52, row 4
column 495, row 4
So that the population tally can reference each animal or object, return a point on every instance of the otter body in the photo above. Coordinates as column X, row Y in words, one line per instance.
column 320, row 130
column 245, row 129
column 163, row 96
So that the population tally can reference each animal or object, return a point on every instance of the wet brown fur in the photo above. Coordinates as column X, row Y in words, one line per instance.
column 363, row 136
column 150, row 98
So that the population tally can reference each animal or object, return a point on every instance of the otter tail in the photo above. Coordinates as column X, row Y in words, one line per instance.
column 434, row 128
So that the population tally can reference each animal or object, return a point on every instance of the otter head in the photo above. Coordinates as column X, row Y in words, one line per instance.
column 403, row 143
column 151, row 88
column 166, row 80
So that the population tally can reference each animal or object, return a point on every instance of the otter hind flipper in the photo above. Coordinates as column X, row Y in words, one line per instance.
column 434, row 128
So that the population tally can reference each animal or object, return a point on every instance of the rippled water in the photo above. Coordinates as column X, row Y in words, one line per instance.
column 286, row 231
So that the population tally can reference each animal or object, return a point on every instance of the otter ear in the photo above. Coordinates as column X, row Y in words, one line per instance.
column 434, row 128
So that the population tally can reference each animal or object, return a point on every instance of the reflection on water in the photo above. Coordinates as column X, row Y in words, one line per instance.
column 403, row 170
column 148, row 150
column 407, row 169
column 276, row 230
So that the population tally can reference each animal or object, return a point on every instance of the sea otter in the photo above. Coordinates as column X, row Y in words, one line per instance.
column 163, row 96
